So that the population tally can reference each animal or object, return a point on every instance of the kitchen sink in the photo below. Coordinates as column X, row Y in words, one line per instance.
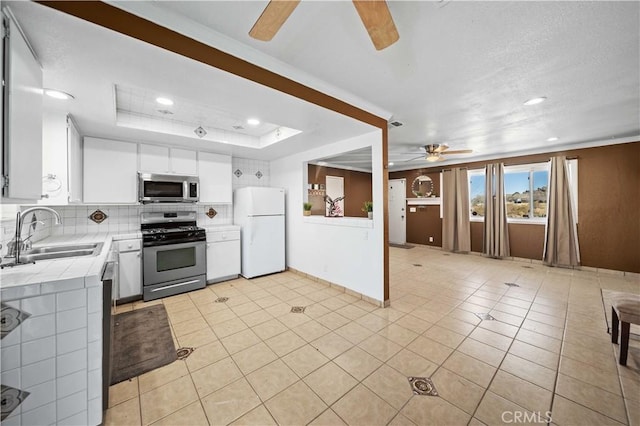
column 61, row 251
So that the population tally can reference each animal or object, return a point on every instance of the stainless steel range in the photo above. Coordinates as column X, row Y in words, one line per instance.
column 173, row 254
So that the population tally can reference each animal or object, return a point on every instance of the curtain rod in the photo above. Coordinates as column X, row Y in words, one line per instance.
column 448, row 170
column 535, row 162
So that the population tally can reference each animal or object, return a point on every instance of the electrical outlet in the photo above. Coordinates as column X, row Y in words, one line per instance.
column 430, row 239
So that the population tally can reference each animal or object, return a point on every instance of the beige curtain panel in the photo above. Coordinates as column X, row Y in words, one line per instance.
column 456, row 234
column 496, row 231
column 561, row 240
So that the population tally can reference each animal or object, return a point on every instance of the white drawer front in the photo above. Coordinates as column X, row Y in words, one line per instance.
column 213, row 237
column 129, row 245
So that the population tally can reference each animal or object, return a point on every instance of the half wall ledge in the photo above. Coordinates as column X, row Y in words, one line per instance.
column 353, row 222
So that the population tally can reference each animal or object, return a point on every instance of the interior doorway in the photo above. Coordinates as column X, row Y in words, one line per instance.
column 397, row 213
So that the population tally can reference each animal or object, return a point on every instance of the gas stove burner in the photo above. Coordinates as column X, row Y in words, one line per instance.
column 161, row 228
column 169, row 230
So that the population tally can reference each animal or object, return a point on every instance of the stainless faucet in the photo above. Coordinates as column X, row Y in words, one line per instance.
column 16, row 245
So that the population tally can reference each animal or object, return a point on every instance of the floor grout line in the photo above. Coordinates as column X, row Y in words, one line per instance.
column 429, row 294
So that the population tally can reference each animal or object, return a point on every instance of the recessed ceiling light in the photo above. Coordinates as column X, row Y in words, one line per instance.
column 253, row 121
column 552, row 139
column 57, row 94
column 535, row 101
column 390, row 164
column 322, row 163
column 164, row 101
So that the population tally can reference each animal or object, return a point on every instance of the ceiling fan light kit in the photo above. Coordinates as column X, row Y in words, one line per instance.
column 375, row 16
column 436, row 152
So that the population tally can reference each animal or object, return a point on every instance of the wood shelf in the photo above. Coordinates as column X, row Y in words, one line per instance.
column 430, row 201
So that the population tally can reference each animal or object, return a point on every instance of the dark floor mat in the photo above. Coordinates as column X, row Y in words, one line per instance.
column 141, row 342
column 402, row 246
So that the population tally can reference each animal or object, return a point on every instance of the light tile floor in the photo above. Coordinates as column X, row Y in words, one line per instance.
column 344, row 361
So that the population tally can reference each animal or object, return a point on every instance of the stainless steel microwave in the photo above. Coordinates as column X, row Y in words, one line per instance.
column 157, row 188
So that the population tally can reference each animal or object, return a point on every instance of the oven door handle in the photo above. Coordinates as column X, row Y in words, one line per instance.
column 174, row 285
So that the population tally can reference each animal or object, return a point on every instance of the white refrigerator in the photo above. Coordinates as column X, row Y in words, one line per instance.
column 260, row 213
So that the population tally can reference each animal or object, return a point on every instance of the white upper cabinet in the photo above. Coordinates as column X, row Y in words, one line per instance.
column 54, row 158
column 154, row 159
column 22, row 104
column 184, row 162
column 215, row 175
column 110, row 171
column 61, row 160
column 74, row 162
column 162, row 159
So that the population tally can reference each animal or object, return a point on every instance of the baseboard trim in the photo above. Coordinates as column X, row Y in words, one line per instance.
column 371, row 300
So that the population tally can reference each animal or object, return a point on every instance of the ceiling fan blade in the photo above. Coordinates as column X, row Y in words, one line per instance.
column 377, row 20
column 460, row 151
column 272, row 18
column 413, row 159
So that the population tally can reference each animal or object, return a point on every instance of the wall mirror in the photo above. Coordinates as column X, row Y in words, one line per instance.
column 422, row 186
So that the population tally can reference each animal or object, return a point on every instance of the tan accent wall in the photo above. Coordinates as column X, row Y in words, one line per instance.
column 608, row 208
column 525, row 241
column 357, row 189
column 477, row 236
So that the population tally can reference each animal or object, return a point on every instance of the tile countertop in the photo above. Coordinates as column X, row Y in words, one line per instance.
column 50, row 276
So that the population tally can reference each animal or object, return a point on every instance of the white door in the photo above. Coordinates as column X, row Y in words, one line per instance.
column 335, row 189
column 397, row 206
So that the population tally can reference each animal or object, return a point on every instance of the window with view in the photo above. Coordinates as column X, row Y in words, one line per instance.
column 476, row 193
column 525, row 188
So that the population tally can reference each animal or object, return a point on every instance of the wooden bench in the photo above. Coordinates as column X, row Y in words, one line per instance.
column 625, row 308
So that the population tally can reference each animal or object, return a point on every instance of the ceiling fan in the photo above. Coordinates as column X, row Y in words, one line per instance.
column 374, row 14
column 436, row 152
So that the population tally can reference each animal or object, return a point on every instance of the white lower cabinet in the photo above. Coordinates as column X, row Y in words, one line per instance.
column 129, row 269
column 223, row 254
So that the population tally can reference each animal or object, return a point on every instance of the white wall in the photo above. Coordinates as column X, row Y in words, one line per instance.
column 330, row 249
